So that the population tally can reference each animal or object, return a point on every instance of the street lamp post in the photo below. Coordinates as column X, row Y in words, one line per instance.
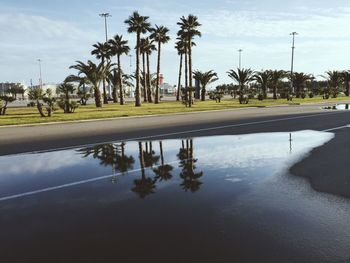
column 105, row 15
column 240, row 58
column 40, row 76
column 292, row 64
column 130, row 89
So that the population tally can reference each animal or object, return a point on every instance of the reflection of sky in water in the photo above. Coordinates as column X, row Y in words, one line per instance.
column 239, row 155
column 245, row 188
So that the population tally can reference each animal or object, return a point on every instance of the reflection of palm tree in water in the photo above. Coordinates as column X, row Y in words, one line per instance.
column 163, row 171
column 146, row 185
column 187, row 163
column 111, row 155
column 149, row 155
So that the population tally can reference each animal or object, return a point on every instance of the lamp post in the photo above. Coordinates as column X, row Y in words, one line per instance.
column 40, row 76
column 130, row 89
column 292, row 64
column 240, row 58
column 105, row 15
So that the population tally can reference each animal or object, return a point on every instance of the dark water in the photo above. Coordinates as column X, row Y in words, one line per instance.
column 211, row 199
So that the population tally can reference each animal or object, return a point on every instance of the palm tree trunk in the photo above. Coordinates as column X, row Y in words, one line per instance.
column 186, row 75
column 121, row 91
column 264, row 91
column 149, row 91
column 97, row 96
column 190, row 71
column 203, row 94
column 179, row 82
column 40, row 108
column 137, row 91
column 105, row 100
column 156, row 100
column 144, row 84
column 275, row 92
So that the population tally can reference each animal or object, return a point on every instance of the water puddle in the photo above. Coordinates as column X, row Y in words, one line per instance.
column 228, row 196
column 342, row 106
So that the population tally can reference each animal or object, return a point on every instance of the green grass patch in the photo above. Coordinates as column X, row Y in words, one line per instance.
column 30, row 115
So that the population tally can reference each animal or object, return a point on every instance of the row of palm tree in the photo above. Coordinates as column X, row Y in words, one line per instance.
column 271, row 79
column 117, row 46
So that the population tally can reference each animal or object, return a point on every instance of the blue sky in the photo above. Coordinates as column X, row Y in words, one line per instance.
column 60, row 33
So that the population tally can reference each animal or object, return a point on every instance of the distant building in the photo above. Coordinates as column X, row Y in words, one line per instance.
column 167, row 89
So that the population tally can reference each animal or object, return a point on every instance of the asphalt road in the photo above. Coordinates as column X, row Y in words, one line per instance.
column 287, row 118
column 276, row 225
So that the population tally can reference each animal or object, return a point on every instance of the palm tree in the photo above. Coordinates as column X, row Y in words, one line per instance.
column 138, row 24
column 263, row 79
column 189, row 29
column 181, row 50
column 67, row 89
column 243, row 77
column 160, row 35
column 205, row 78
column 114, row 79
column 119, row 47
column 144, row 73
column 334, row 79
column 299, row 81
column 102, row 51
column 276, row 77
column 148, row 48
column 346, row 80
column 94, row 74
column 83, row 89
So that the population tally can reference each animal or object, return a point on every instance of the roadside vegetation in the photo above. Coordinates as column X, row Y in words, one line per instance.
column 29, row 115
column 102, row 79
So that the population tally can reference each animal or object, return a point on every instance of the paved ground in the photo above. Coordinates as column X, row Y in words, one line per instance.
column 286, row 118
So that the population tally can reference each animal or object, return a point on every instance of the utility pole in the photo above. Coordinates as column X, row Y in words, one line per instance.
column 292, row 64
column 240, row 58
column 40, row 76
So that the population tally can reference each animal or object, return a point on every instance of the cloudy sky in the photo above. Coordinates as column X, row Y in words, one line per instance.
column 61, row 32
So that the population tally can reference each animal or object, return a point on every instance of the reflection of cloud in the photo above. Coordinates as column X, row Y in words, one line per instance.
column 254, row 151
column 44, row 162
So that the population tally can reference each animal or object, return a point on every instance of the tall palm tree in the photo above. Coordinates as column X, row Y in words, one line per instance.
column 189, row 29
column 205, row 78
column 181, row 50
column 276, row 77
column 346, row 80
column 102, row 51
column 299, row 81
column 160, row 35
column 148, row 48
column 243, row 77
column 119, row 46
column 138, row 24
column 263, row 79
column 144, row 73
column 94, row 74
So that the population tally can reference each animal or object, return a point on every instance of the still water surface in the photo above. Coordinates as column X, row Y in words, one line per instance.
column 209, row 199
